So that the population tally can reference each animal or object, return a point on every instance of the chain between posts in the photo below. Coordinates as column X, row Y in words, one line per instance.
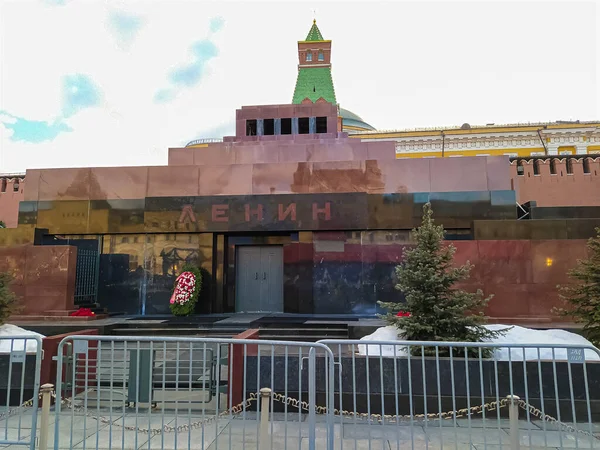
column 294, row 402
column 547, row 418
column 235, row 410
column 13, row 411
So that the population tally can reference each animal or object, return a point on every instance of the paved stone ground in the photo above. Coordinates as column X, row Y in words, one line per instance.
column 81, row 432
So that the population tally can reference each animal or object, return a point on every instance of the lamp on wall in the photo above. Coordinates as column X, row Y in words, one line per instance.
column 549, row 262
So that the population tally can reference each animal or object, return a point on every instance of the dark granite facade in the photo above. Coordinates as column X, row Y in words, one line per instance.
column 327, row 269
column 265, row 213
column 339, row 250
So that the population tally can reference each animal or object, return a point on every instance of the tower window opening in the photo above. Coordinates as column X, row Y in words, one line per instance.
column 321, row 57
column 308, row 56
column 3, row 185
column 520, row 169
column 552, row 166
column 16, row 186
column 569, row 166
column 251, row 127
column 303, row 125
column 321, row 124
column 269, row 127
column 536, row 167
column 586, row 165
column 286, row 126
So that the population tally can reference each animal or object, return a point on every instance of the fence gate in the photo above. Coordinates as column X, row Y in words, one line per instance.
column 20, row 364
column 170, row 392
column 87, row 268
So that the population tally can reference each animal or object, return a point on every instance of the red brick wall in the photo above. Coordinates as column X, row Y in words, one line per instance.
column 560, row 189
column 9, row 201
column 314, row 47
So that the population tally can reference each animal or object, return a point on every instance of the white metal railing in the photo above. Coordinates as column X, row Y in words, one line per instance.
column 20, row 365
column 148, row 392
column 204, row 141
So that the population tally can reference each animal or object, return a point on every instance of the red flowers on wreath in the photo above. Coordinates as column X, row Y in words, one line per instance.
column 184, row 288
column 403, row 314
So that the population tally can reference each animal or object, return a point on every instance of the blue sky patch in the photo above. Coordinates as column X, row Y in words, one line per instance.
column 32, row 131
column 79, row 92
column 216, row 24
column 124, row 26
column 204, row 50
column 165, row 95
column 191, row 74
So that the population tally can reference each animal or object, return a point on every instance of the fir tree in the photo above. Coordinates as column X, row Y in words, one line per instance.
column 582, row 300
column 8, row 299
column 438, row 310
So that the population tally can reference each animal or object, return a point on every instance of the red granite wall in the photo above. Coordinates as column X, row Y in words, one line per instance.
column 522, row 275
column 50, row 349
column 237, row 354
column 560, row 189
column 44, row 276
column 328, row 110
column 320, row 175
column 283, row 149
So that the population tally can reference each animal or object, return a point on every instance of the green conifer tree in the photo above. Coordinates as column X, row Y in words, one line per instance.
column 582, row 299
column 9, row 302
column 438, row 310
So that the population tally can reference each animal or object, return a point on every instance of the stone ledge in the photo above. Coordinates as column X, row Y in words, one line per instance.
column 16, row 319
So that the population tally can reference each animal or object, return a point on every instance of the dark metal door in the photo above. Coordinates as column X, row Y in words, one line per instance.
column 271, row 289
column 247, row 297
column 259, row 279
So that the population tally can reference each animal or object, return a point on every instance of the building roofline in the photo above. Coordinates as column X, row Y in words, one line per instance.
column 557, row 124
column 12, row 175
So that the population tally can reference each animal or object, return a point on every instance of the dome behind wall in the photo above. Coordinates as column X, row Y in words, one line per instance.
column 353, row 123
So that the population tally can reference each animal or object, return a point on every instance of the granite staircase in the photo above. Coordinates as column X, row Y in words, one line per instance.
column 279, row 330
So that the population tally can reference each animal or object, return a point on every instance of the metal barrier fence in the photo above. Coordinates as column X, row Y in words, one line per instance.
column 462, row 395
column 20, row 364
column 170, row 393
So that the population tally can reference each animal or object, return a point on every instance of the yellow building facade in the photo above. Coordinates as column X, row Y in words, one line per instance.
column 516, row 140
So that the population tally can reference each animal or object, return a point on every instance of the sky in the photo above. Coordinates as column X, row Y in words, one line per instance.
column 87, row 83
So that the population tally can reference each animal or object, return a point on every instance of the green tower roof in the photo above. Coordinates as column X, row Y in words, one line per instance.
column 314, row 83
column 314, row 34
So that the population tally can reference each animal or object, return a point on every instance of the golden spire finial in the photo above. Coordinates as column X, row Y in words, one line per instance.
column 314, row 21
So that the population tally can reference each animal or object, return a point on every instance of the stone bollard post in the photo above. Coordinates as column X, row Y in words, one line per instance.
column 46, row 391
column 263, row 437
column 513, row 415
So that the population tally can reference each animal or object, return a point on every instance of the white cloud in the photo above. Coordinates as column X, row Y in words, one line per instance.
column 5, row 118
column 397, row 64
